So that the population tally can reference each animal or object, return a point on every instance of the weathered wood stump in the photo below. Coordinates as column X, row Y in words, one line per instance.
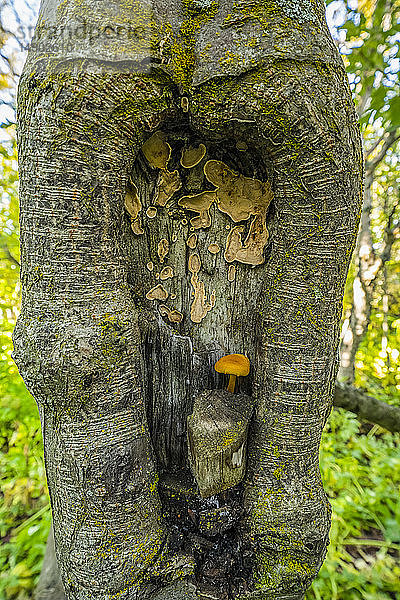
column 217, row 437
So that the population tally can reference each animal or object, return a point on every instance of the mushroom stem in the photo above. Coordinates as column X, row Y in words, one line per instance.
column 231, row 384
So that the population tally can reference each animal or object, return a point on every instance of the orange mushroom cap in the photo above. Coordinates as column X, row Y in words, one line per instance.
column 233, row 364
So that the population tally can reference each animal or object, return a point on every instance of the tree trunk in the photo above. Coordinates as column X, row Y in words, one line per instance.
column 367, row 407
column 368, row 265
column 360, row 315
column 169, row 217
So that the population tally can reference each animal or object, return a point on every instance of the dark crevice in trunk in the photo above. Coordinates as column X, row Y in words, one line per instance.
column 207, row 529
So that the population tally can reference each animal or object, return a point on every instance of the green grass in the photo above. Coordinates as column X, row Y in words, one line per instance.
column 24, row 510
column 361, row 474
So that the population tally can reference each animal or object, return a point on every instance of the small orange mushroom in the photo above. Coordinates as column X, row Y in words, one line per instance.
column 234, row 365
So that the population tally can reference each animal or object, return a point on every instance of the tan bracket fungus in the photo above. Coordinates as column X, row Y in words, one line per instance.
column 157, row 293
column 173, row 315
column 200, row 307
column 194, row 263
column 241, row 197
column 251, row 251
column 199, row 203
column 157, row 151
column 238, row 196
column 192, row 156
column 151, row 212
column 185, row 104
column 162, row 249
column 136, row 227
column 213, row 248
column 192, row 241
column 132, row 202
column 242, row 146
column 133, row 206
column 166, row 273
column 168, row 184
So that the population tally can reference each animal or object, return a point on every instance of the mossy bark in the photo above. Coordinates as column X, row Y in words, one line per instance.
column 115, row 348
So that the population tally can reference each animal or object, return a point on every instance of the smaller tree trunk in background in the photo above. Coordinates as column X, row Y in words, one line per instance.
column 356, row 326
column 366, row 407
column 368, row 266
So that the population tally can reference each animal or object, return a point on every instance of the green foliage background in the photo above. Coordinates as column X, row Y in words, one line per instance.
column 360, row 463
column 24, row 511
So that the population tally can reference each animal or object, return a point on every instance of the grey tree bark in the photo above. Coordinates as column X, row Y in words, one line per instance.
column 200, row 200
column 367, row 407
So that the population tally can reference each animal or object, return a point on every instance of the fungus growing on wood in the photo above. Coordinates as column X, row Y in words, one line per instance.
column 241, row 146
column 194, row 180
column 133, row 206
column 194, row 263
column 173, row 315
column 234, row 365
column 132, row 202
column 213, row 248
column 238, row 196
column 136, row 227
column 219, row 174
column 192, row 241
column 157, row 151
column 192, row 156
column 151, row 212
column 162, row 249
column 199, row 203
column 251, row 251
column 231, row 273
column 200, row 307
column 157, row 293
column 185, row 103
column 166, row 273
column 164, row 310
column 168, row 184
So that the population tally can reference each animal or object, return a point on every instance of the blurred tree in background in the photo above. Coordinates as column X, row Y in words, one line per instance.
column 360, row 461
column 23, row 506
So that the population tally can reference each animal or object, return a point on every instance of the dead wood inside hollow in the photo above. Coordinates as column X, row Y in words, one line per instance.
column 217, row 438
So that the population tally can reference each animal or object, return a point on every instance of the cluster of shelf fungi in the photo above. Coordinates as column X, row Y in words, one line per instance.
column 203, row 513
column 241, row 198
